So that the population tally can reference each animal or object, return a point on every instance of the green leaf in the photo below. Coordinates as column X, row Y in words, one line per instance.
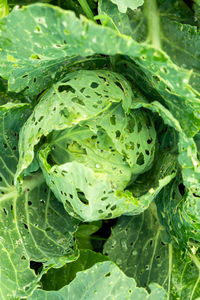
column 123, row 5
column 181, row 211
column 104, row 280
column 33, row 225
column 34, row 68
column 6, row 96
column 188, row 149
column 173, row 33
column 115, row 19
column 4, row 8
column 178, row 209
column 141, row 248
column 190, row 163
column 197, row 10
column 68, row 272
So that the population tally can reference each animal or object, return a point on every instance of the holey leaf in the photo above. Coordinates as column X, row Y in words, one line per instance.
column 33, row 226
column 84, row 162
column 103, row 281
column 68, row 272
column 142, row 249
column 31, row 62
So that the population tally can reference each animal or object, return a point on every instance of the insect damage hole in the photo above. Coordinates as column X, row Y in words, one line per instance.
column 66, row 88
column 94, row 85
column 82, row 197
column 140, row 159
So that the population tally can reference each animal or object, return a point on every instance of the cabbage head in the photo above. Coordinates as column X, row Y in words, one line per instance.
column 90, row 144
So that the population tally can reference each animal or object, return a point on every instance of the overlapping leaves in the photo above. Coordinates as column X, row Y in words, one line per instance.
column 33, row 227
column 143, row 250
column 39, row 44
column 35, row 60
column 88, row 285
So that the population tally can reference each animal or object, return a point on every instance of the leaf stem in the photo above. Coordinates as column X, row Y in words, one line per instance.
column 153, row 23
column 170, row 251
column 197, row 264
column 87, row 10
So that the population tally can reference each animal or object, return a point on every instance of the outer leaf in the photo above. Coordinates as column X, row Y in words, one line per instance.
column 188, row 149
column 179, row 212
column 136, row 245
column 190, row 163
column 197, row 10
column 33, row 226
column 68, row 272
column 123, row 5
column 179, row 41
column 173, row 33
column 115, row 19
column 104, row 280
column 31, row 66
column 182, row 213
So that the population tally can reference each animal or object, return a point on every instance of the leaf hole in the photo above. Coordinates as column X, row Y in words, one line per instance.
column 66, row 88
column 168, row 89
column 149, row 141
column 117, row 134
column 195, row 195
column 5, row 211
column 119, row 85
column 78, row 100
column 25, row 226
column 140, row 159
column 147, row 152
column 113, row 120
column 113, row 207
column 36, row 266
column 156, row 78
column 94, row 85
